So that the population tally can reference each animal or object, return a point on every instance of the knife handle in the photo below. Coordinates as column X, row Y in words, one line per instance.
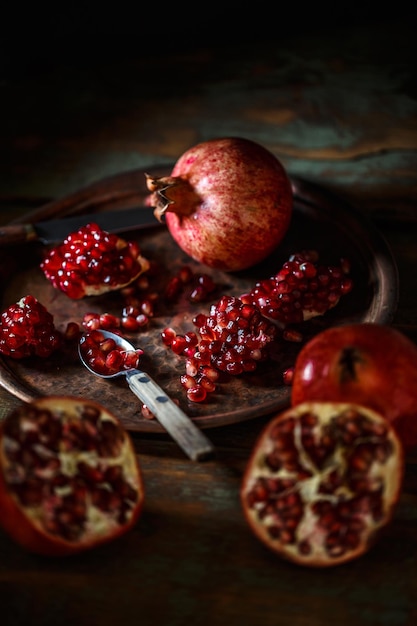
column 16, row 233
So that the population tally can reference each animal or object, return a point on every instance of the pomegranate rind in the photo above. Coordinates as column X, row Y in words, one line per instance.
column 304, row 543
column 25, row 524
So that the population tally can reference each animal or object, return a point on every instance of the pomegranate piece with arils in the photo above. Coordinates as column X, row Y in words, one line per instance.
column 92, row 261
column 302, row 289
column 27, row 329
column 69, row 476
column 322, row 481
column 227, row 203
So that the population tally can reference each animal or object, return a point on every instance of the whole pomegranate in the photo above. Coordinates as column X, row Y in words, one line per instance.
column 227, row 202
column 69, row 476
column 322, row 481
column 372, row 364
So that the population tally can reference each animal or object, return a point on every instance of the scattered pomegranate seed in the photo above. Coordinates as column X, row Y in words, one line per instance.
column 197, row 394
column 287, row 376
column 167, row 335
column 147, row 413
column 290, row 334
column 200, row 286
column 72, row 331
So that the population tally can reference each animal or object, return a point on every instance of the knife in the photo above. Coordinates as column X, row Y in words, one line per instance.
column 55, row 231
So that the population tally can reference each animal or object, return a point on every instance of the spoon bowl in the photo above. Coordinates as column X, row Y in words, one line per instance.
column 177, row 423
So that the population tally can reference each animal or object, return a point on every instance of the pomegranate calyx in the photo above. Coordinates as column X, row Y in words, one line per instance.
column 168, row 191
column 348, row 363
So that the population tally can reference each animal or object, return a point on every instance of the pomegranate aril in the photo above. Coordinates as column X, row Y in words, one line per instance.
column 167, row 335
column 207, row 384
column 72, row 331
column 196, row 393
column 178, row 344
column 187, row 381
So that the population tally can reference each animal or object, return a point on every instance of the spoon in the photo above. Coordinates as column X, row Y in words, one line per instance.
column 179, row 425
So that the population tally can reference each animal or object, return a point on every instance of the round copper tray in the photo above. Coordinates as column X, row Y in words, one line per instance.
column 320, row 220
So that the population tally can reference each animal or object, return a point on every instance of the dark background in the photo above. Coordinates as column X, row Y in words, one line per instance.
column 34, row 39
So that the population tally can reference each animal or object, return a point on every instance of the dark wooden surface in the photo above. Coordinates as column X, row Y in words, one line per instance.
column 337, row 104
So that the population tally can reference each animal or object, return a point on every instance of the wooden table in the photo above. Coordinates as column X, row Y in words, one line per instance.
column 338, row 107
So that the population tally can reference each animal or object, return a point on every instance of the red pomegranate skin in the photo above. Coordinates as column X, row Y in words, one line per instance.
column 371, row 364
column 227, row 203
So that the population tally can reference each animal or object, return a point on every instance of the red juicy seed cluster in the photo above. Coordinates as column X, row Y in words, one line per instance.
column 104, row 356
column 200, row 286
column 27, row 328
column 232, row 339
column 301, row 289
column 89, row 259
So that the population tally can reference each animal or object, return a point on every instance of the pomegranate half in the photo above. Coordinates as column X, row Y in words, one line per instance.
column 322, row 482
column 227, row 203
column 69, row 476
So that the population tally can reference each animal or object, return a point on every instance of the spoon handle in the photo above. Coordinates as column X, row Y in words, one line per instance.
column 181, row 428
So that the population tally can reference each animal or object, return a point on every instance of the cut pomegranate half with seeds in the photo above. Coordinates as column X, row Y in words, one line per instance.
column 69, row 476
column 92, row 261
column 302, row 289
column 27, row 329
column 322, row 482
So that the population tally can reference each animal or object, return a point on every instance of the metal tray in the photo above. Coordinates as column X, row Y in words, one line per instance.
column 320, row 220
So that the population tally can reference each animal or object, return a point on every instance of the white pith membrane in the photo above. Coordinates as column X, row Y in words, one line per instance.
column 97, row 522
column 352, row 527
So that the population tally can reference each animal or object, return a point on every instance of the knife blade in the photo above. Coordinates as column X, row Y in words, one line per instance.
column 56, row 230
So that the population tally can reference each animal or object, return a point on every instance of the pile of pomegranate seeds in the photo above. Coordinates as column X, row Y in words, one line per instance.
column 199, row 286
column 27, row 328
column 232, row 339
column 91, row 261
column 302, row 289
column 104, row 356
column 235, row 336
